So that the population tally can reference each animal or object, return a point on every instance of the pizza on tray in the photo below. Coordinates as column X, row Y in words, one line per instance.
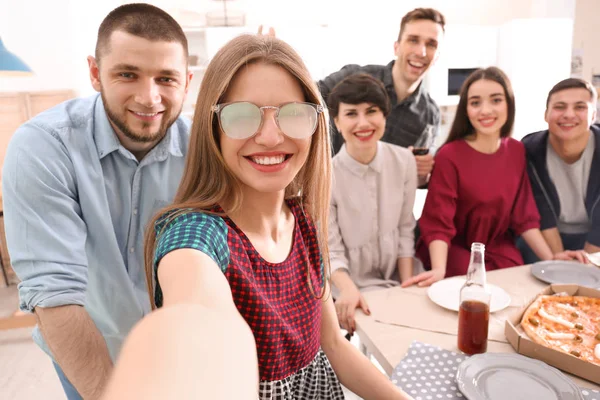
column 570, row 324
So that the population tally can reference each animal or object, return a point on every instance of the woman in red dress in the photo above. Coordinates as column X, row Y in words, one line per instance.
column 479, row 189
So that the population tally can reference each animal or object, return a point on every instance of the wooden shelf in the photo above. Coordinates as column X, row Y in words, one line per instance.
column 17, row 320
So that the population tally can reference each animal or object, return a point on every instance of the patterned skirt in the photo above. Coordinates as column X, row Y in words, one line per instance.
column 316, row 381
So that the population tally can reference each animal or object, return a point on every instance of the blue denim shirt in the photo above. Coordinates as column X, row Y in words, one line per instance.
column 76, row 205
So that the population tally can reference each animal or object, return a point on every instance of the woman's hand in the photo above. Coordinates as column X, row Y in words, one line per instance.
column 572, row 255
column 271, row 31
column 426, row 278
column 346, row 305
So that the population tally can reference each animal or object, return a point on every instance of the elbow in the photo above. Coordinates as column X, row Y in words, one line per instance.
column 429, row 239
column 526, row 227
column 32, row 295
column 332, row 343
column 32, row 299
column 46, row 284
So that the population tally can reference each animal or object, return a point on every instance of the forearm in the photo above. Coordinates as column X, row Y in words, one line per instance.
column 199, row 369
column 438, row 254
column 538, row 244
column 358, row 374
column 77, row 346
column 405, row 268
column 342, row 281
column 552, row 237
column 422, row 181
column 590, row 248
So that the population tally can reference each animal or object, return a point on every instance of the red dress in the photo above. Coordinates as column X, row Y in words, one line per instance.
column 477, row 197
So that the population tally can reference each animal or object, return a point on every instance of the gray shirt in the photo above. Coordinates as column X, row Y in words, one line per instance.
column 76, row 205
column 371, row 222
column 571, row 182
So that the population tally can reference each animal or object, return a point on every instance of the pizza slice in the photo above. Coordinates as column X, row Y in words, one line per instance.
column 570, row 324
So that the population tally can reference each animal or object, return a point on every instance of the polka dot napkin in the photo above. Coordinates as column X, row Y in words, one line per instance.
column 428, row 372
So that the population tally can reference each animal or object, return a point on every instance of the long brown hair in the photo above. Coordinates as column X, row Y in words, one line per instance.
column 207, row 181
column 462, row 127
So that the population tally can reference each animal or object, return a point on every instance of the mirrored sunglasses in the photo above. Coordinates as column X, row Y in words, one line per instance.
column 241, row 120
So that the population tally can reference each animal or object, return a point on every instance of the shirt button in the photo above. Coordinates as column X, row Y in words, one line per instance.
column 135, row 211
column 131, row 249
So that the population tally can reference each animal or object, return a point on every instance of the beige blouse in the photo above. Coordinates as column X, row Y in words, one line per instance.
column 371, row 222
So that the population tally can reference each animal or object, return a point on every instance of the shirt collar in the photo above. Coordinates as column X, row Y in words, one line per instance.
column 360, row 169
column 104, row 135
column 388, row 81
column 107, row 140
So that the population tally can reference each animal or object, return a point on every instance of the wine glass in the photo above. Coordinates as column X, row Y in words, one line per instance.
column 425, row 141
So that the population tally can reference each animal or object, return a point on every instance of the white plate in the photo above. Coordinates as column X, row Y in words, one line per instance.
column 594, row 258
column 566, row 272
column 446, row 293
column 493, row 376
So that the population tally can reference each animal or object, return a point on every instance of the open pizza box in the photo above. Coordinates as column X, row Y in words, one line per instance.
column 566, row 362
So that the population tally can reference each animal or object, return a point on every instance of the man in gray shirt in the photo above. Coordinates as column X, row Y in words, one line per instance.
column 564, row 169
column 414, row 116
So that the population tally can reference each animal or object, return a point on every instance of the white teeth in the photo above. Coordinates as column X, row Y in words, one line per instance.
column 416, row 64
column 364, row 134
column 568, row 125
column 269, row 160
column 145, row 114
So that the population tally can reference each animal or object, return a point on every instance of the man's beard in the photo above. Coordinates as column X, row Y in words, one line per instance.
column 134, row 136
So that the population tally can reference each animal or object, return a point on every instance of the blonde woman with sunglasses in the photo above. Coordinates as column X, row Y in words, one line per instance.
column 246, row 235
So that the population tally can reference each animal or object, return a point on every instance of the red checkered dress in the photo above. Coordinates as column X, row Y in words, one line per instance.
column 274, row 299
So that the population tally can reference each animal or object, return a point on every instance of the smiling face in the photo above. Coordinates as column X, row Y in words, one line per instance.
column 418, row 49
column 361, row 125
column 268, row 161
column 486, row 107
column 143, row 85
column 570, row 113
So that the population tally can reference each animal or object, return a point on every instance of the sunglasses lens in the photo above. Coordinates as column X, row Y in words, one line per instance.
column 298, row 120
column 240, row 120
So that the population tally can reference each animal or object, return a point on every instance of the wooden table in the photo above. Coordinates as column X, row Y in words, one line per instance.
column 399, row 316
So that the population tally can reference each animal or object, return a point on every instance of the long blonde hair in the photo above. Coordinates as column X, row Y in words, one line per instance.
column 207, row 181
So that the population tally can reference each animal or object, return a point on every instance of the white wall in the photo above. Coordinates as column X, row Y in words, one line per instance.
column 534, row 65
column 465, row 46
column 41, row 41
column 586, row 35
column 55, row 36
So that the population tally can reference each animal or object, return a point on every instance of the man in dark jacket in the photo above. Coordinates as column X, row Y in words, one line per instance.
column 564, row 169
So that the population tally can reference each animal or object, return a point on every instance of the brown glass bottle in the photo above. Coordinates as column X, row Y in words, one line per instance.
column 474, row 311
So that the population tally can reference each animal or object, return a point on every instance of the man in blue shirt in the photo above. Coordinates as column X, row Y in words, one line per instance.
column 81, row 181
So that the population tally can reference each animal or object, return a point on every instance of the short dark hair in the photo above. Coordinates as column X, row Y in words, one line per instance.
column 572, row 83
column 143, row 20
column 357, row 89
column 430, row 14
column 462, row 127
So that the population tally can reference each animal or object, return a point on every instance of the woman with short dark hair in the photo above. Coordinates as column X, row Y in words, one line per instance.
column 371, row 222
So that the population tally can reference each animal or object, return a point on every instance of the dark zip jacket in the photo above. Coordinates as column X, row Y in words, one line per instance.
column 544, row 191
